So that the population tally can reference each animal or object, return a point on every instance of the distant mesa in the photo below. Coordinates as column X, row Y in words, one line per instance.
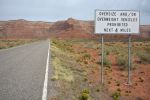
column 70, row 28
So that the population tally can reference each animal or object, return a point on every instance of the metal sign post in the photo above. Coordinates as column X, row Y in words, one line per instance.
column 102, row 57
column 117, row 22
column 129, row 59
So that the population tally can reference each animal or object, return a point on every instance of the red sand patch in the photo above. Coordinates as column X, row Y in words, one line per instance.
column 115, row 79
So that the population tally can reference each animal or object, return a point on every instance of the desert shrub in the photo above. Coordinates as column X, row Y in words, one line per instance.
column 11, row 43
column 134, row 66
column 144, row 57
column 85, row 79
column 107, row 52
column 3, row 45
column 122, row 61
column 97, row 90
column 117, row 83
column 109, row 82
column 147, row 49
column 84, row 95
column 63, row 45
column 113, row 49
column 106, row 61
column 116, row 95
column 85, row 91
column 119, row 90
column 86, row 56
column 141, row 79
column 90, row 45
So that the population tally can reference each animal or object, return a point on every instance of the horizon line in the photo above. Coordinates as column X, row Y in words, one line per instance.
column 46, row 21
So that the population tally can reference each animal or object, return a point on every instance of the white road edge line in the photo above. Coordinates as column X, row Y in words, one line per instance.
column 44, row 96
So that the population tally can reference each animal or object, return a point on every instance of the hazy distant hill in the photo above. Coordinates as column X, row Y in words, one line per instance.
column 24, row 29
column 70, row 28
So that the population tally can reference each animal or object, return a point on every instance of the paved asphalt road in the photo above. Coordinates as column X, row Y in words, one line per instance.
column 22, row 71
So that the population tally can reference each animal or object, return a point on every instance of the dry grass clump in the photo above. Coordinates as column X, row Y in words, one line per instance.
column 11, row 43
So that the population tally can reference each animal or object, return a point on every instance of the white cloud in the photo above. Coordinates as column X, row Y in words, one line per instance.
column 62, row 9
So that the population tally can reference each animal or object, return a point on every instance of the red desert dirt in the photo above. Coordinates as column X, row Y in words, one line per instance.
column 116, row 79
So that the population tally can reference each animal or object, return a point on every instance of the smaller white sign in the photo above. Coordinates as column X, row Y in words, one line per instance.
column 117, row 22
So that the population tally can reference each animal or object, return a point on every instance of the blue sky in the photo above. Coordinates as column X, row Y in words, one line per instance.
column 53, row 10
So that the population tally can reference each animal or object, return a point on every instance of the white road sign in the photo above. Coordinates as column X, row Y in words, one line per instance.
column 117, row 22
